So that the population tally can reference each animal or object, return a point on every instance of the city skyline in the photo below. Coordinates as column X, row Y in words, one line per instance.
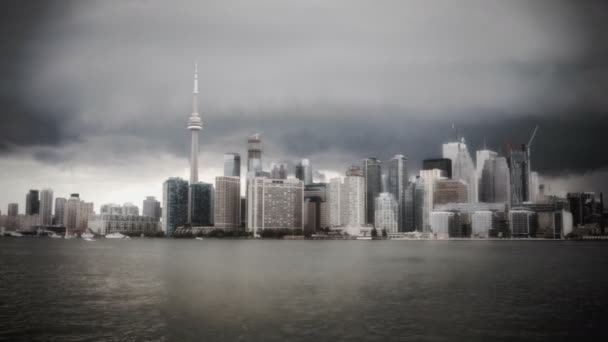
column 109, row 124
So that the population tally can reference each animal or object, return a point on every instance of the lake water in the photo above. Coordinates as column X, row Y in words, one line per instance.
column 245, row 290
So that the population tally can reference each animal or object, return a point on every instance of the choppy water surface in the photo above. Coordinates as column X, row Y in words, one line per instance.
column 222, row 290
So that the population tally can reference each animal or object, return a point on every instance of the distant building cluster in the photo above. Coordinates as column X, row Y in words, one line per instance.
column 454, row 196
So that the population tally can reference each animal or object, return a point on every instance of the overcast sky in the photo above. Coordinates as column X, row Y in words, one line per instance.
column 95, row 95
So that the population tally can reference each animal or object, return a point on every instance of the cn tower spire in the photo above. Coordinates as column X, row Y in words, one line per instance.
column 195, row 124
column 195, row 91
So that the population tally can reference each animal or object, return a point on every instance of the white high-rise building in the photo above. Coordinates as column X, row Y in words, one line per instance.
column 463, row 167
column 481, row 223
column 429, row 177
column 353, row 198
column 534, row 184
column 77, row 214
column 46, row 207
column 334, row 198
column 440, row 223
column 274, row 204
column 386, row 213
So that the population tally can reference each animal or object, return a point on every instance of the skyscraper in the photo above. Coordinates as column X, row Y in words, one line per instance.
column 409, row 208
column 385, row 213
column 494, row 185
column 430, row 178
column 482, row 156
column 372, row 172
column 534, row 186
column 334, row 200
column 130, row 209
column 450, row 191
column 200, row 207
column 32, row 203
column 278, row 171
column 315, row 205
column 397, row 183
column 175, row 204
column 151, row 208
column 232, row 164
column 463, row 167
column 227, row 206
column 60, row 206
column 76, row 215
column 419, row 204
column 46, row 207
column 13, row 209
column 274, row 204
column 518, row 169
column 443, row 164
column 303, row 171
column 71, row 213
column 254, row 155
column 353, row 198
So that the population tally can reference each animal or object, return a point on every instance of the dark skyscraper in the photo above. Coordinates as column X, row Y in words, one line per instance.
column 32, row 203
column 232, row 164
column 397, row 183
column 278, row 171
column 372, row 172
column 443, row 164
column 409, row 220
column 60, row 206
column 13, row 209
column 175, row 204
column 151, row 208
column 201, row 197
column 494, row 185
column 518, row 169
column 303, row 171
column 584, row 208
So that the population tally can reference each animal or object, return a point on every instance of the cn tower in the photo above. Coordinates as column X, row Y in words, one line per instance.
column 195, row 124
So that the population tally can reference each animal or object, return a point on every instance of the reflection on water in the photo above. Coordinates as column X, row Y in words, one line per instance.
column 222, row 290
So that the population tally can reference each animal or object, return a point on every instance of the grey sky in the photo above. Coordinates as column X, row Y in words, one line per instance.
column 96, row 94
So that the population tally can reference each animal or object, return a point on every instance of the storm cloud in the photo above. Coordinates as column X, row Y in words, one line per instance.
column 104, row 88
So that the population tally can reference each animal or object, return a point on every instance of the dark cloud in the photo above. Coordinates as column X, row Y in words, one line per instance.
column 108, row 82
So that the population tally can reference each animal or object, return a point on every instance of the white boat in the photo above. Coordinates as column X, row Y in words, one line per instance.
column 87, row 236
column 116, row 235
column 88, row 239
column 55, row 236
column 15, row 234
column 199, row 238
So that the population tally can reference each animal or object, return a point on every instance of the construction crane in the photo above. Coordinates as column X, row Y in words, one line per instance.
column 530, row 143
column 529, row 171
